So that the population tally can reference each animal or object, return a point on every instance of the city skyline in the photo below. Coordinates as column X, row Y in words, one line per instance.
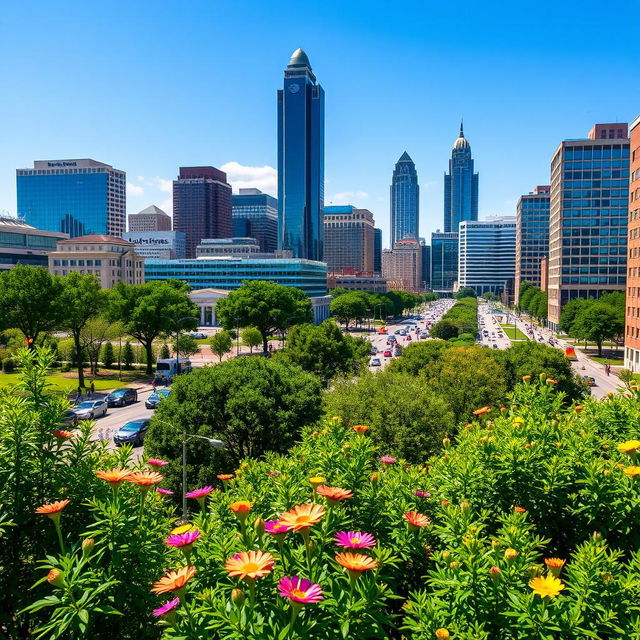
column 500, row 103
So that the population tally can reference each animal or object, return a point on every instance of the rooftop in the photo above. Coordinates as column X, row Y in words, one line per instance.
column 94, row 239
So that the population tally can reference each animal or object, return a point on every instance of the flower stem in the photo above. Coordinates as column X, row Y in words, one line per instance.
column 59, row 532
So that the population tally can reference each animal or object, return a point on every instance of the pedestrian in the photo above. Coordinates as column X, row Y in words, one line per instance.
column 92, row 388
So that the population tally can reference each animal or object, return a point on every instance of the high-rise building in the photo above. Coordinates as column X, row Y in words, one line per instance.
column 460, row 186
column 76, row 197
column 22, row 244
column 632, row 321
column 487, row 254
column 150, row 219
column 588, row 217
column 255, row 215
column 402, row 265
column 426, row 263
column 167, row 245
column 201, row 205
column 532, row 235
column 377, row 250
column 300, row 160
column 405, row 200
column 348, row 239
column 444, row 261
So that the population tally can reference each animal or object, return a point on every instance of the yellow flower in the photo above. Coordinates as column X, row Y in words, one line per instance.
column 632, row 472
column 442, row 634
column 510, row 555
column 554, row 565
column 518, row 420
column 316, row 481
column 546, row 587
column 183, row 528
column 630, row 446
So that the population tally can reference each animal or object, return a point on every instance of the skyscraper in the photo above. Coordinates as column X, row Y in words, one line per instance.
column 150, row 219
column 255, row 215
column 201, row 205
column 426, row 263
column 76, row 197
column 444, row 261
column 402, row 265
column 588, row 217
column 377, row 250
column 405, row 200
column 460, row 186
column 300, row 160
column 348, row 239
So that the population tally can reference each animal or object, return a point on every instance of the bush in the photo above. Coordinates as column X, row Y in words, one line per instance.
column 108, row 356
column 461, row 319
column 127, row 356
column 8, row 365
column 164, row 352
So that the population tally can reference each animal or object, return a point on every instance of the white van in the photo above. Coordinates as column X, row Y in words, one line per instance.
column 166, row 368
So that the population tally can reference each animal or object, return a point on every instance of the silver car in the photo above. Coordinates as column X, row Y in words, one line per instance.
column 91, row 409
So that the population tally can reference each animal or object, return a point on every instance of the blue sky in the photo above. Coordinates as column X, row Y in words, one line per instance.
column 149, row 86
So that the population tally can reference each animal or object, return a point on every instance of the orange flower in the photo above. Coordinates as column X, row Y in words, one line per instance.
column 442, row 634
column 55, row 577
column 578, row 408
column 302, row 516
column 249, row 565
column 554, row 565
column 519, row 509
column 62, row 434
column 241, row 509
column 333, row 494
column 145, row 478
column 114, row 476
column 53, row 509
column 416, row 520
column 225, row 477
column 360, row 428
column 174, row 580
column 356, row 563
column 481, row 411
column 551, row 381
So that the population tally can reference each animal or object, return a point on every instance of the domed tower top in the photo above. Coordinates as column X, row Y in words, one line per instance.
column 299, row 60
column 461, row 143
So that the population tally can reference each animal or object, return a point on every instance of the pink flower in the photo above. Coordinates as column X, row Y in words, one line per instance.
column 200, row 494
column 183, row 539
column 275, row 527
column 156, row 462
column 422, row 494
column 355, row 540
column 300, row 590
column 273, row 474
column 166, row 608
column 164, row 492
column 388, row 460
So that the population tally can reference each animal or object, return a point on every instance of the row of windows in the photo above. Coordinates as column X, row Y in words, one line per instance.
column 593, row 270
column 77, row 263
column 594, row 152
column 613, row 280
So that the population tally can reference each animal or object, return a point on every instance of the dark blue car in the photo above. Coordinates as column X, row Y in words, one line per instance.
column 132, row 433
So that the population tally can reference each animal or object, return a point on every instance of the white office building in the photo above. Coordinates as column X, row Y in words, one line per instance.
column 163, row 245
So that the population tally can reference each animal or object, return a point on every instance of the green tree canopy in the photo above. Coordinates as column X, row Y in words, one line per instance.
column 598, row 322
column 186, row 346
column 349, row 307
column 418, row 356
column 221, row 343
column 251, row 337
column 465, row 292
column 569, row 313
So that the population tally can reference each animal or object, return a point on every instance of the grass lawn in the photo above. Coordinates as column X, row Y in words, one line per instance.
column 513, row 333
column 106, row 380
column 614, row 362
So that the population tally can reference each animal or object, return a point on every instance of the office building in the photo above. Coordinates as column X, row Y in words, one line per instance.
column 402, row 265
column 460, row 186
column 76, row 197
column 110, row 259
column 357, row 282
column 426, row 264
column 201, row 205
column 632, row 320
column 532, row 235
column 377, row 250
column 150, row 219
column 444, row 261
column 348, row 239
column 487, row 254
column 234, row 247
column 300, row 160
column 167, row 245
column 405, row 200
column 20, row 243
column 255, row 215
column 588, row 217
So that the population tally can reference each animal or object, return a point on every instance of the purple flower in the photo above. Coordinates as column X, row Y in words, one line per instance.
column 388, row 460
column 200, row 494
column 299, row 590
column 275, row 527
column 422, row 494
column 183, row 539
column 167, row 608
column 354, row 540
column 164, row 492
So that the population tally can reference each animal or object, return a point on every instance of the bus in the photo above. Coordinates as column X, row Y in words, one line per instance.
column 167, row 368
column 570, row 353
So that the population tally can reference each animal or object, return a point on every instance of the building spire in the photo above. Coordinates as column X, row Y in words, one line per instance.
column 461, row 128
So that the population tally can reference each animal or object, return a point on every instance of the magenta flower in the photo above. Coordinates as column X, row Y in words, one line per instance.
column 200, row 494
column 388, row 460
column 300, row 590
column 183, row 539
column 156, row 462
column 422, row 494
column 275, row 527
column 354, row 540
column 167, row 608
column 164, row 492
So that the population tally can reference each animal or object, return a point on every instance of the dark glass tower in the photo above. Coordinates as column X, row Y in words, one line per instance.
column 300, row 160
column 405, row 200
column 377, row 250
column 460, row 186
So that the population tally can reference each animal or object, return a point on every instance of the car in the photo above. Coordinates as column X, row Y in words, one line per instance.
column 133, row 433
column 397, row 332
column 403, row 332
column 424, row 334
column 198, row 335
column 91, row 409
column 69, row 419
column 122, row 397
column 155, row 398
column 374, row 351
column 495, row 346
column 589, row 381
column 397, row 352
column 387, row 353
column 375, row 362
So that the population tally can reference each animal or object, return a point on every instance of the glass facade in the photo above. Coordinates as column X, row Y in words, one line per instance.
column 255, row 215
column 377, row 250
column 405, row 200
column 301, row 160
column 444, row 261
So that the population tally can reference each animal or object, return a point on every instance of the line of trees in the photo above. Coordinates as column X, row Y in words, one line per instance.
column 533, row 300
column 460, row 321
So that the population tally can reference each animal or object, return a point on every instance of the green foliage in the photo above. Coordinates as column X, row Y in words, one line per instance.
column 492, row 297
column 251, row 338
column 460, row 319
column 127, row 356
column 221, row 343
column 418, row 356
column 8, row 365
column 465, row 292
column 349, row 307
column 164, row 352
column 108, row 355
column 186, row 346
column 597, row 322
column 533, row 300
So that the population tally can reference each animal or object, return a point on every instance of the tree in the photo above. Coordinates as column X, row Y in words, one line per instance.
column 325, row 350
column 404, row 414
column 221, row 343
column 82, row 299
column 127, row 355
column 524, row 285
column 151, row 309
column 490, row 296
column 251, row 338
column 348, row 307
column 108, row 356
column 267, row 306
column 30, row 301
column 418, row 356
column 186, row 346
column 254, row 405
column 527, row 296
column 93, row 335
column 569, row 313
column 465, row 292
column 539, row 304
column 444, row 329
column 598, row 322
column 164, row 352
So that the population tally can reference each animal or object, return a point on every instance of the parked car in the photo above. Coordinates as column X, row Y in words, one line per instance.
column 589, row 380
column 374, row 351
column 375, row 362
column 132, row 432
column 122, row 397
column 387, row 353
column 155, row 398
column 69, row 419
column 91, row 409
column 198, row 335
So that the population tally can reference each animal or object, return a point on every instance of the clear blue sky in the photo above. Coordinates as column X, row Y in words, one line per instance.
column 149, row 86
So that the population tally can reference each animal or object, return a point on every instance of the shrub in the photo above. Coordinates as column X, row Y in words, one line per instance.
column 108, row 356
column 8, row 365
column 127, row 356
column 164, row 352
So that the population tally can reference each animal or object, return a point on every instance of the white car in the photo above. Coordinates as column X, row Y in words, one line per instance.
column 91, row 409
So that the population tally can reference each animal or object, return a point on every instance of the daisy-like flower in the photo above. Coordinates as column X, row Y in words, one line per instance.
column 299, row 590
column 632, row 472
column 241, row 509
column 145, row 479
column 182, row 539
column 333, row 495
column 156, row 462
column 164, row 492
column 62, row 434
column 546, row 586
column 249, row 565
column 225, row 477
column 302, row 516
column 578, row 408
column 360, row 428
column 167, row 610
column 554, row 565
column 518, row 420
column 510, row 555
column 200, row 494
column 526, row 378
column 276, row 528
column 630, row 446
column 388, row 460
column 416, row 520
column 355, row 563
column 354, row 540
column 421, row 494
column 53, row 510
column 174, row 581
column 316, row 481
column 114, row 476
column 481, row 411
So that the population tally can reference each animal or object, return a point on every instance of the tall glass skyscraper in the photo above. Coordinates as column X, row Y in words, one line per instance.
column 405, row 200
column 300, row 160
column 255, row 215
column 460, row 186
column 444, row 261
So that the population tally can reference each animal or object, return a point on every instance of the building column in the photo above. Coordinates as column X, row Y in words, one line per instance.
column 201, row 315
